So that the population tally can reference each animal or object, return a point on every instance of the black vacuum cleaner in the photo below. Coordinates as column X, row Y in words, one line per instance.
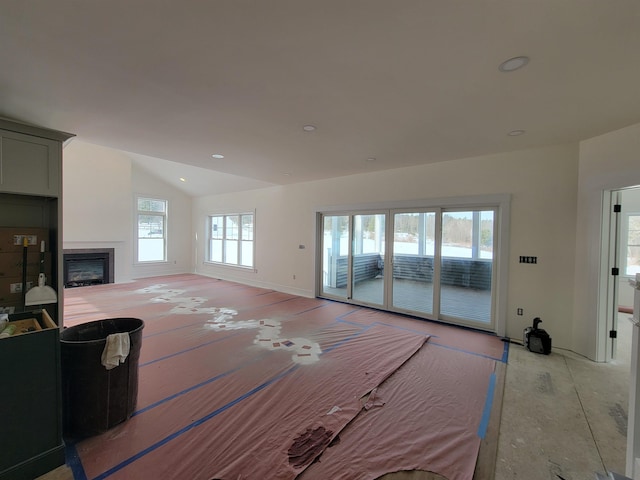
column 536, row 339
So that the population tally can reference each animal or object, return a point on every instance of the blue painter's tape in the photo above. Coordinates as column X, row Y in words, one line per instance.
column 505, row 353
column 199, row 385
column 188, row 349
column 192, row 425
column 171, row 330
column 449, row 347
column 73, row 461
column 204, row 419
column 407, row 329
column 486, row 413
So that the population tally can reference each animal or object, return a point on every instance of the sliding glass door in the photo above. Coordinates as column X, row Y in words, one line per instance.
column 335, row 255
column 367, row 268
column 466, row 272
column 438, row 265
column 413, row 261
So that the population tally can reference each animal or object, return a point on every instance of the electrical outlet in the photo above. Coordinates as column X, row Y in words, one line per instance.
column 520, row 311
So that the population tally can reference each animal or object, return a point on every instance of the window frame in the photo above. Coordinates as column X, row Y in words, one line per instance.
column 165, row 219
column 240, row 237
column 625, row 242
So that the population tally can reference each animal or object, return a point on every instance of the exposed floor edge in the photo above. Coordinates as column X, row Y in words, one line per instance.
column 488, row 454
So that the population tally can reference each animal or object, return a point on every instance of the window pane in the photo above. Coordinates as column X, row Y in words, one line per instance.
column 151, row 205
column 231, row 227
column 215, row 252
column 150, row 226
column 150, row 250
column 413, row 247
column 247, row 254
column 216, row 227
column 247, row 227
column 368, row 258
column 486, row 234
column 335, row 243
column 456, row 234
column 633, row 246
column 231, row 239
column 231, row 251
column 466, row 270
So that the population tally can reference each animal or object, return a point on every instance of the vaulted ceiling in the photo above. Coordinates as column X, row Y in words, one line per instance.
column 385, row 83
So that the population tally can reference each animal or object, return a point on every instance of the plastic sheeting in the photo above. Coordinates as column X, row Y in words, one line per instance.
column 229, row 388
column 431, row 417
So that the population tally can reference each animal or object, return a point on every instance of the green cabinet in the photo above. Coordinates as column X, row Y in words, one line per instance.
column 31, row 433
column 29, row 165
column 31, row 198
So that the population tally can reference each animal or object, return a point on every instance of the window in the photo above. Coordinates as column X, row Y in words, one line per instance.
column 152, row 228
column 231, row 239
column 632, row 261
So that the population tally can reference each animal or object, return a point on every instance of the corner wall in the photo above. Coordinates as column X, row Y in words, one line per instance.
column 99, row 186
column 607, row 162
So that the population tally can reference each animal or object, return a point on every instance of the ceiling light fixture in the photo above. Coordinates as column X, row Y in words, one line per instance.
column 309, row 128
column 370, row 160
column 515, row 133
column 182, row 179
column 513, row 64
column 217, row 155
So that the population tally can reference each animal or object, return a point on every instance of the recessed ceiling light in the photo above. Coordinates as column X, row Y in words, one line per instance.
column 217, row 155
column 309, row 128
column 287, row 174
column 370, row 159
column 513, row 64
column 182, row 179
column 515, row 133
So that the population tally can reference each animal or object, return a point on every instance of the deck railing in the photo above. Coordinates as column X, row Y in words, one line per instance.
column 459, row 272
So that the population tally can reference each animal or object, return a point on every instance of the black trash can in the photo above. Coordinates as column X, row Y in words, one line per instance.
column 95, row 399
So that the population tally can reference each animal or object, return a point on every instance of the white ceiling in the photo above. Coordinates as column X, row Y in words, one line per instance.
column 406, row 82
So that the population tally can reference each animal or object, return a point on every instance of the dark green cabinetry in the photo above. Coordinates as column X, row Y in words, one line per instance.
column 31, row 438
column 31, row 196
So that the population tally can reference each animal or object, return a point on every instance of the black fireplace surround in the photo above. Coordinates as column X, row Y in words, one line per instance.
column 89, row 266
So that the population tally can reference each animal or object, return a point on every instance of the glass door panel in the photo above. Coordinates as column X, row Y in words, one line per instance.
column 413, row 261
column 367, row 272
column 466, row 272
column 335, row 255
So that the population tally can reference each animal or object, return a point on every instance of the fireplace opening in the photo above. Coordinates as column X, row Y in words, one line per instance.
column 88, row 267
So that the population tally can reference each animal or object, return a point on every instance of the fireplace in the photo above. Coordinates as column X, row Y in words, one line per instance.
column 91, row 266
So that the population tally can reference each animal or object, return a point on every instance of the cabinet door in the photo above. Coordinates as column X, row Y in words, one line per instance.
column 29, row 164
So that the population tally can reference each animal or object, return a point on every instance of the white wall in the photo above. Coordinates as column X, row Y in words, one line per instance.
column 556, row 204
column 543, row 187
column 99, row 186
column 630, row 204
column 96, row 208
column 607, row 162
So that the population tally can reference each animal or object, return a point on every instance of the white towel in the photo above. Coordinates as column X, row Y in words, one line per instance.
column 115, row 350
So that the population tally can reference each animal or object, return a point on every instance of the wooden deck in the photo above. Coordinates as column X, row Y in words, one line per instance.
column 417, row 297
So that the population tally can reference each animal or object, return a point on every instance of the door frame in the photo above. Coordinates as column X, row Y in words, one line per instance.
column 502, row 203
